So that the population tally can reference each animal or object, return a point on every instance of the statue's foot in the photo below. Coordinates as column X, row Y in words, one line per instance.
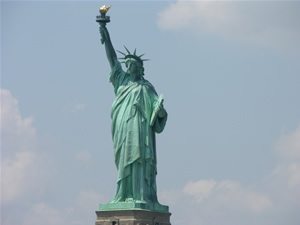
column 140, row 201
column 115, row 200
column 129, row 200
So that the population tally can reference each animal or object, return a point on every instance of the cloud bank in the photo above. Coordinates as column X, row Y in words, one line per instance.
column 19, row 145
column 29, row 176
column 271, row 201
column 268, row 24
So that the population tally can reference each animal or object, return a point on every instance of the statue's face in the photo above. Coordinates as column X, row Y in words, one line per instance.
column 132, row 67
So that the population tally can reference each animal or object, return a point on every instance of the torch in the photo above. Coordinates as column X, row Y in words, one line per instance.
column 102, row 19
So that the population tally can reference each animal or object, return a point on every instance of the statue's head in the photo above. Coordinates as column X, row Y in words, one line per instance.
column 134, row 63
column 134, row 67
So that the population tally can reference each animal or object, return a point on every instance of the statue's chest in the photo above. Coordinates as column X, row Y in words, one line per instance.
column 129, row 90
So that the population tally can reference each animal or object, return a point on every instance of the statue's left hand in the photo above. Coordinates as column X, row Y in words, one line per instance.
column 161, row 112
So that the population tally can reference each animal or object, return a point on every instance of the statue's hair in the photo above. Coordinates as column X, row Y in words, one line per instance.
column 141, row 71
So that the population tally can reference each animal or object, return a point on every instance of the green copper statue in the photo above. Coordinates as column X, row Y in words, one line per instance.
column 137, row 114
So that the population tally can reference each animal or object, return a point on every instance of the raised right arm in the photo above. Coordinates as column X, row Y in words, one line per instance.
column 110, row 51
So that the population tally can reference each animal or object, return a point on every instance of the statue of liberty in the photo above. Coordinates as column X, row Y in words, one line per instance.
column 137, row 114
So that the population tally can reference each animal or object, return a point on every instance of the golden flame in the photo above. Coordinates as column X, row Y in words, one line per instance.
column 104, row 9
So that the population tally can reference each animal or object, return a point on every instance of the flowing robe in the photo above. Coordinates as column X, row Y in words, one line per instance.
column 134, row 138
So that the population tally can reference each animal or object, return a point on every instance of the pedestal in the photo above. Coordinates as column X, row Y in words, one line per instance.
column 134, row 205
column 132, row 217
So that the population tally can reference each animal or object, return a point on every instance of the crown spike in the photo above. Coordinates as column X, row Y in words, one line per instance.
column 127, row 50
column 132, row 56
column 141, row 55
column 121, row 53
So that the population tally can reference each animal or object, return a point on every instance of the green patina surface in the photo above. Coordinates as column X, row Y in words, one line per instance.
column 137, row 114
column 134, row 205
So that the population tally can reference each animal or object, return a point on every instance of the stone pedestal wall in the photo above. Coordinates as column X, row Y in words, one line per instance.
column 132, row 217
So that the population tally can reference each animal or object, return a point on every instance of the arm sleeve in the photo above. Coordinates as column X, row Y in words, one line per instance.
column 116, row 76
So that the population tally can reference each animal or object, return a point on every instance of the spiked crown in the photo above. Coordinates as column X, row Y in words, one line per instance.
column 132, row 56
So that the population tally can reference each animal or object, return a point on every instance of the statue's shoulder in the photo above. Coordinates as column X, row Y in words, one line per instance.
column 148, row 85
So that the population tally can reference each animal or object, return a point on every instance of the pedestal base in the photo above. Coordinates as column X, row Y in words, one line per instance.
column 134, row 205
column 132, row 217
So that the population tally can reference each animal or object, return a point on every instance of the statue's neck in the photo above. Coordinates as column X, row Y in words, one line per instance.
column 134, row 77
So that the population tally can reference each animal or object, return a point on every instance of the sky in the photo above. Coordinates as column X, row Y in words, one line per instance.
column 230, row 75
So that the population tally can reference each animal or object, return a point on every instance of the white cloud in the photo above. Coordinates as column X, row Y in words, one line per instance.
column 294, row 175
column 288, row 145
column 218, row 202
column 27, row 174
column 229, row 194
column 261, row 23
column 19, row 143
column 78, row 107
column 273, row 200
column 288, row 168
column 238, row 197
column 170, row 196
column 86, row 203
column 88, row 200
column 287, row 176
column 80, row 213
column 257, row 202
column 200, row 189
column 14, row 180
column 42, row 213
column 83, row 156
column 18, row 134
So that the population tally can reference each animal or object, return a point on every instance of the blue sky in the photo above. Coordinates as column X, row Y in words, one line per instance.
column 230, row 75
